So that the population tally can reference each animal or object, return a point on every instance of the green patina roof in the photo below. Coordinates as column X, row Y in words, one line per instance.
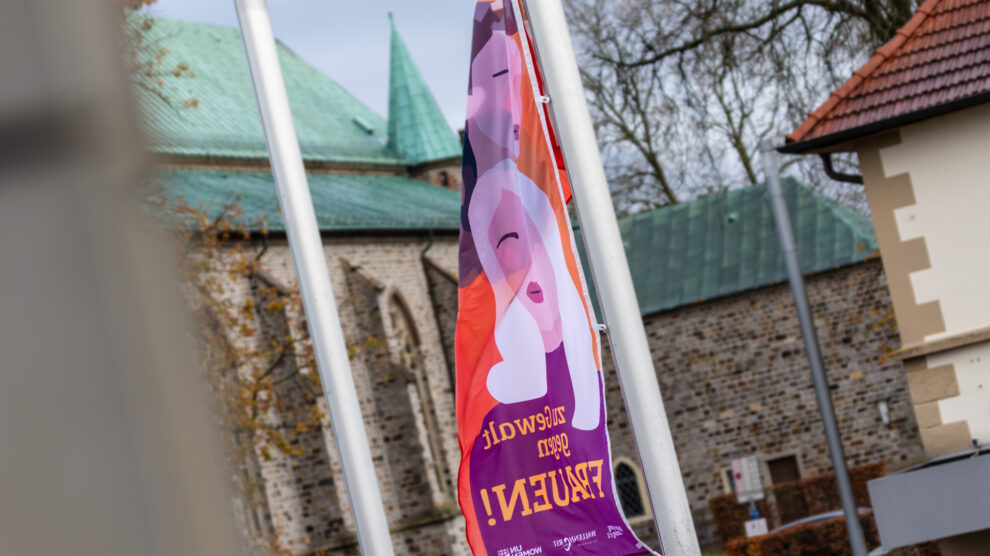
column 342, row 202
column 332, row 125
column 727, row 243
column 416, row 127
column 678, row 255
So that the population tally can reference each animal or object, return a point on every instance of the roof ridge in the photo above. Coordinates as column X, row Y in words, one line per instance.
column 881, row 55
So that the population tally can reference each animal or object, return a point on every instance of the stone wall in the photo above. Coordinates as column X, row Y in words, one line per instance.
column 443, row 293
column 441, row 174
column 733, row 374
column 735, row 382
column 406, row 395
column 307, row 472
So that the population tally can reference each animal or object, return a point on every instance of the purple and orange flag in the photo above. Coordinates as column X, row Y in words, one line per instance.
column 536, row 471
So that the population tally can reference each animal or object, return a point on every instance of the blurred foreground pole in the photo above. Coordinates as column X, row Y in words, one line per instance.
column 332, row 361
column 613, row 282
column 780, row 215
column 108, row 446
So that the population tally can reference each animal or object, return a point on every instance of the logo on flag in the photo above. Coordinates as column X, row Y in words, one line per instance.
column 536, row 469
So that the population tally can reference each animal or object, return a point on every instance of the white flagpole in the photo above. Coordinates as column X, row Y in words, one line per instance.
column 613, row 282
column 314, row 279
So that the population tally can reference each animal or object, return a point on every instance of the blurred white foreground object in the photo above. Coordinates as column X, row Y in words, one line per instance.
column 108, row 446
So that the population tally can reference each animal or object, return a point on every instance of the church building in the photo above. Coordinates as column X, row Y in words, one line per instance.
column 386, row 194
column 708, row 275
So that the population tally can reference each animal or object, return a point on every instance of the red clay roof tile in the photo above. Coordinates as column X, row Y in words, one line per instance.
column 941, row 55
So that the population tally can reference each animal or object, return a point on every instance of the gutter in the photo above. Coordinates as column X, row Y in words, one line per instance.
column 831, row 172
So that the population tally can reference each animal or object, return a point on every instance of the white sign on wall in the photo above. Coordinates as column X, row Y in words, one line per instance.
column 747, row 480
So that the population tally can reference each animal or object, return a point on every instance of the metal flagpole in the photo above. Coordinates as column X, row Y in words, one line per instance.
column 783, row 220
column 613, row 281
column 314, row 279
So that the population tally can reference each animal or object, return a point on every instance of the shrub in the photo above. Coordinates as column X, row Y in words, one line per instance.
column 811, row 539
column 928, row 549
column 795, row 500
column 791, row 503
column 730, row 516
column 742, row 547
column 821, row 493
column 860, row 475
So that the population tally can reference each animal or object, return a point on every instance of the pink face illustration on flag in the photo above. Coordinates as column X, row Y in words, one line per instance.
column 515, row 234
column 536, row 468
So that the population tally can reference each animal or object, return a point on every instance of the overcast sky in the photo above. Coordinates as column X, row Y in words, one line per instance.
column 349, row 41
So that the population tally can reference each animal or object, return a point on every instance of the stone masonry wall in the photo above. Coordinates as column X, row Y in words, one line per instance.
column 443, row 292
column 733, row 374
column 735, row 382
column 365, row 274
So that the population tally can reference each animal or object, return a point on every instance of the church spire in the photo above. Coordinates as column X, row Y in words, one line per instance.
column 417, row 130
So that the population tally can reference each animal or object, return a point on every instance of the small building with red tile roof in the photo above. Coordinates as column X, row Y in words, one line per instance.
column 917, row 114
column 938, row 63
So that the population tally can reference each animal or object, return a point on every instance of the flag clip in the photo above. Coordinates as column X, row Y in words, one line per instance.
column 543, row 99
column 602, row 327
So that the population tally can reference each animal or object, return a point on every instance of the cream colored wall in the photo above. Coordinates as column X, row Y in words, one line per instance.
column 947, row 163
column 972, row 367
column 948, row 160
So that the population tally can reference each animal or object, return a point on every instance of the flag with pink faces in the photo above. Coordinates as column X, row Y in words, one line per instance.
column 536, row 471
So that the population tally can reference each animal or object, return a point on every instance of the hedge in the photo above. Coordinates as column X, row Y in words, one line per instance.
column 822, row 493
column 794, row 500
column 810, row 539
column 731, row 516
column 860, row 475
column 791, row 502
column 928, row 549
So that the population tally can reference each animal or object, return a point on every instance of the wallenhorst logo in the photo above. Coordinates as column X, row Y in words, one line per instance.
column 574, row 540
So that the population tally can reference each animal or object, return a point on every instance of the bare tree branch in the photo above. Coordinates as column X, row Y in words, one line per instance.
column 682, row 91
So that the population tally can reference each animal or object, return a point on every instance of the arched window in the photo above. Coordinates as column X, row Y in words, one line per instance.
column 220, row 365
column 419, row 390
column 302, row 461
column 630, row 495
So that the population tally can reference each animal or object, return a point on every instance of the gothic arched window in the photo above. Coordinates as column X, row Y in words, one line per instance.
column 420, row 395
column 630, row 495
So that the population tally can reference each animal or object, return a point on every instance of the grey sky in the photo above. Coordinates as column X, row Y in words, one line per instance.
column 349, row 41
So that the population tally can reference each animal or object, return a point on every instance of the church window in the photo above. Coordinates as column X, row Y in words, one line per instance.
column 411, row 358
column 630, row 494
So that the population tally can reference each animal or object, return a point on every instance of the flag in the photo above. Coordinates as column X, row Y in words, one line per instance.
column 536, row 472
